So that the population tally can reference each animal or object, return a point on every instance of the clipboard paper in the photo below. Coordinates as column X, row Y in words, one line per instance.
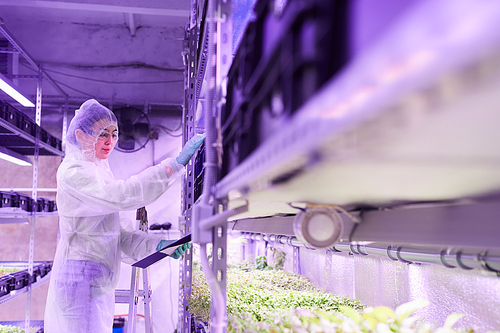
column 164, row 252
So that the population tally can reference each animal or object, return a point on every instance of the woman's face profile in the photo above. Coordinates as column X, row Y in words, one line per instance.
column 100, row 146
column 105, row 142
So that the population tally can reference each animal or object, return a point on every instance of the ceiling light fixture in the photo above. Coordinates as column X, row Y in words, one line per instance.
column 9, row 89
column 12, row 156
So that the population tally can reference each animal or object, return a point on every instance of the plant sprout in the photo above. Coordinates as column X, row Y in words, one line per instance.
column 14, row 329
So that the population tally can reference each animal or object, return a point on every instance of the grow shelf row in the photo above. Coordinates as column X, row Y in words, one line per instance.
column 26, row 203
column 18, row 132
column 15, row 278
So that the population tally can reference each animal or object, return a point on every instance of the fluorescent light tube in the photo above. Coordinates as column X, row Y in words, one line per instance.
column 8, row 88
column 12, row 156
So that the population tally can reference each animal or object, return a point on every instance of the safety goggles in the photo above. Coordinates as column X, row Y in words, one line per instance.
column 106, row 135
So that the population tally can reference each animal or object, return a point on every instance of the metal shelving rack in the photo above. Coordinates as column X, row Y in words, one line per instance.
column 405, row 135
column 391, row 138
column 29, row 144
column 357, row 135
column 187, row 197
column 23, row 290
column 24, row 143
column 198, row 64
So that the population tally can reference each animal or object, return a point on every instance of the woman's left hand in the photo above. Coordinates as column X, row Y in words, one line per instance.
column 180, row 250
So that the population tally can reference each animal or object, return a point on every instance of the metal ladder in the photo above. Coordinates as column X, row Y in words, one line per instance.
column 132, row 295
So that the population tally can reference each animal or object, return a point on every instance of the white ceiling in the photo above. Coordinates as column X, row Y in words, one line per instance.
column 121, row 52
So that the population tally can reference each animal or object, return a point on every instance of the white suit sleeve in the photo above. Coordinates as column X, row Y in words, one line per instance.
column 88, row 193
column 137, row 244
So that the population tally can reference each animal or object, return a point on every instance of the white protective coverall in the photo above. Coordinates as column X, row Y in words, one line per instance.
column 92, row 242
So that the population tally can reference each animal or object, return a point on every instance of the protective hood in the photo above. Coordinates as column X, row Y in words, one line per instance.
column 88, row 124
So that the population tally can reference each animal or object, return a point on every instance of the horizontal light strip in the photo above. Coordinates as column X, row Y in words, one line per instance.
column 12, row 156
column 7, row 87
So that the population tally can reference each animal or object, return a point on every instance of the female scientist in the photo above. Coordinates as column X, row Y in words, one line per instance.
column 92, row 243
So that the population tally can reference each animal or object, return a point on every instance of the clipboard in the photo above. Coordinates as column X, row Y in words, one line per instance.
column 164, row 252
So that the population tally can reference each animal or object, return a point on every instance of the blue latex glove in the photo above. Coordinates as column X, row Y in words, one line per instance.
column 189, row 148
column 178, row 252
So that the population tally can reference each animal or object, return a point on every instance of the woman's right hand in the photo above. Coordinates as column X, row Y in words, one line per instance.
column 189, row 148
